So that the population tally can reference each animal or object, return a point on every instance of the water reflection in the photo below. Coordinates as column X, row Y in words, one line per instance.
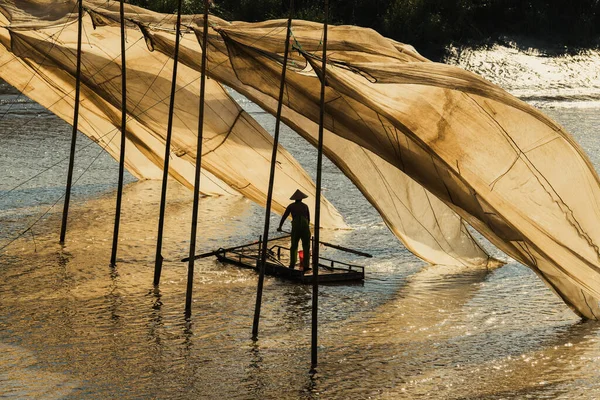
column 254, row 381
column 435, row 331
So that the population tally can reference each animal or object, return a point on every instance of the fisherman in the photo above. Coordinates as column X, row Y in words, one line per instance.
column 300, row 228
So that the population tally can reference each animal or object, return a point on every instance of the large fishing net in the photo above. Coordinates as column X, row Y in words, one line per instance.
column 236, row 149
column 431, row 146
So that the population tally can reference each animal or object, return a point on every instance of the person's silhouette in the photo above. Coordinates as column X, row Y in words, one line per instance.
column 300, row 228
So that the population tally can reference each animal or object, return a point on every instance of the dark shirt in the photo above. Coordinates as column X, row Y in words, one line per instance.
column 297, row 209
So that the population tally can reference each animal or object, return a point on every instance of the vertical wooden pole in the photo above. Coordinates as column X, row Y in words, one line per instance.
column 163, row 196
column 265, row 237
column 65, row 216
column 113, row 257
column 260, row 244
column 190, row 277
column 315, row 262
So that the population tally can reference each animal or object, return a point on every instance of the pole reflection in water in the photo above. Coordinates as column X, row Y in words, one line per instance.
column 254, row 381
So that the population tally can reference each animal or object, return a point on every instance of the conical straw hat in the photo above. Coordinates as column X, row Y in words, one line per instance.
column 298, row 195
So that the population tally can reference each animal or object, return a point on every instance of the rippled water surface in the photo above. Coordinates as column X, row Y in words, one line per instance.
column 72, row 327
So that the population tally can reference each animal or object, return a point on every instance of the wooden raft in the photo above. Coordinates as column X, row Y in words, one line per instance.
column 330, row 271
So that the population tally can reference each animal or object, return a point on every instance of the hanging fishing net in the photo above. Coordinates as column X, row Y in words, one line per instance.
column 236, row 149
column 431, row 146
column 424, row 224
column 513, row 174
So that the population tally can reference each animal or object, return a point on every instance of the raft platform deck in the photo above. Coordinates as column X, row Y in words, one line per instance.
column 330, row 271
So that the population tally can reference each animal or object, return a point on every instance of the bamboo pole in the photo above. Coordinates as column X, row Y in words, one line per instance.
column 190, row 277
column 158, row 261
column 65, row 216
column 214, row 252
column 113, row 257
column 260, row 246
column 315, row 296
column 265, row 237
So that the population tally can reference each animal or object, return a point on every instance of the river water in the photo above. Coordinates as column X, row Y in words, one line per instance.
column 72, row 327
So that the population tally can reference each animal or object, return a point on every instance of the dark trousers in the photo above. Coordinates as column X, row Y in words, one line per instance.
column 300, row 231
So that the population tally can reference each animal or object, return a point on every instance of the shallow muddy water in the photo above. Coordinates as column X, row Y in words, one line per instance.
column 72, row 327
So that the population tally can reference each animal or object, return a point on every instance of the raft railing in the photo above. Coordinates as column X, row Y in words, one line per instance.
column 333, row 264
